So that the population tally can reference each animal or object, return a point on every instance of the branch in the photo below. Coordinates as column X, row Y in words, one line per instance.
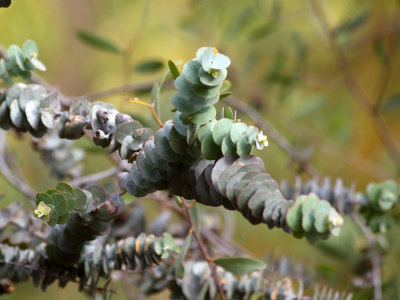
column 354, row 87
column 19, row 184
column 95, row 177
column 375, row 255
column 386, row 70
column 126, row 88
column 203, row 249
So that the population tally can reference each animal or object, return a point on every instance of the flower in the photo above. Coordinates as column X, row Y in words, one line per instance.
column 261, row 138
column 42, row 210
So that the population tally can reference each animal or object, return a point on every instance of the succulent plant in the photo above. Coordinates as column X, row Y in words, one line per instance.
column 20, row 62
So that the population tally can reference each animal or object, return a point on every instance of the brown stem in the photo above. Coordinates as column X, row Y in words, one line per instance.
column 18, row 183
column 386, row 69
column 375, row 255
column 151, row 106
column 203, row 249
column 354, row 87
column 94, row 177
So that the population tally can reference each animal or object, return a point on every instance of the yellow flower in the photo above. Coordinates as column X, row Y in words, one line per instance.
column 261, row 138
column 42, row 210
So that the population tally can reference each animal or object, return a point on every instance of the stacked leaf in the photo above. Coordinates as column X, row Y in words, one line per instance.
column 313, row 218
column 198, row 90
column 55, row 206
column 20, row 62
column 199, row 86
column 379, row 199
column 97, row 261
column 28, row 108
column 198, row 283
column 19, row 228
column 17, row 265
column 237, row 183
column 229, row 137
column 373, row 205
column 344, row 199
column 132, row 253
column 110, row 128
column 88, row 213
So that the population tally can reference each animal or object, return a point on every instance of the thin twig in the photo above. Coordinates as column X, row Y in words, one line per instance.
column 151, row 106
column 271, row 132
column 386, row 69
column 225, row 246
column 19, row 184
column 95, row 177
column 203, row 249
column 354, row 87
column 375, row 255
column 126, row 88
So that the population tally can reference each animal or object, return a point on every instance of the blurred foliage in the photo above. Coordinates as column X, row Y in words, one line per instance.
column 282, row 64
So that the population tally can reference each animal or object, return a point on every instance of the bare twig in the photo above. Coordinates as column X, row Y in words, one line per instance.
column 151, row 106
column 386, row 69
column 375, row 255
column 19, row 184
column 126, row 88
column 95, row 177
column 354, row 87
column 282, row 142
column 203, row 250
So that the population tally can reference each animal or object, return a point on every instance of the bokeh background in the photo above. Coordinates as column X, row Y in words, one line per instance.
column 282, row 64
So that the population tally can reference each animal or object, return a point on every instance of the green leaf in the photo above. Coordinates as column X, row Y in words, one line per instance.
column 205, row 115
column 169, row 244
column 173, row 69
column 98, row 42
column 392, row 103
column 353, row 23
column 43, row 197
column 262, row 31
column 229, row 113
column 149, row 66
column 224, row 95
column 178, row 201
column 380, row 51
column 240, row 265
column 195, row 217
column 226, row 86
column 65, row 187
column 179, row 268
column 221, row 129
column 29, row 49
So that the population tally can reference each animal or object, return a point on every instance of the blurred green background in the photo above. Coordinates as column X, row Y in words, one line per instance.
column 282, row 64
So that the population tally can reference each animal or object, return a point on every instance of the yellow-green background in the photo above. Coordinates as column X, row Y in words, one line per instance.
column 319, row 114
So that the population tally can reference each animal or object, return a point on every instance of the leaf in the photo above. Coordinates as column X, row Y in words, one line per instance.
column 262, row 31
column 380, row 51
column 149, row 66
column 240, row 265
column 29, row 49
column 195, row 217
column 179, row 268
column 393, row 102
column 353, row 23
column 173, row 69
column 178, row 201
column 226, row 85
column 98, row 42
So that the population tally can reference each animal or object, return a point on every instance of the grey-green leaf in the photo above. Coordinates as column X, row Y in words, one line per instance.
column 98, row 42
column 240, row 265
